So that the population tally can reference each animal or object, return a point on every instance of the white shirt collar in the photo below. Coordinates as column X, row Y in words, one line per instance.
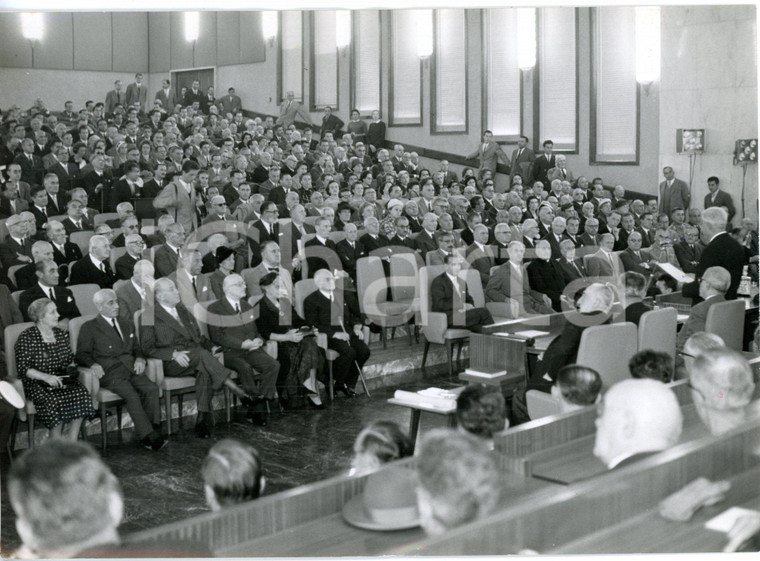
column 326, row 294
column 233, row 303
column 171, row 311
column 454, row 280
column 96, row 262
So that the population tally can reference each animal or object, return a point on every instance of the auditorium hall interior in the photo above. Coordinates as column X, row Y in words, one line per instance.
column 366, row 279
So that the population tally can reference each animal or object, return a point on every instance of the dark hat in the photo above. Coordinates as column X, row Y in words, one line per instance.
column 222, row 253
column 344, row 206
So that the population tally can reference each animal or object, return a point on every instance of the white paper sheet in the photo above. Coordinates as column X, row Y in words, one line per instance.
column 675, row 272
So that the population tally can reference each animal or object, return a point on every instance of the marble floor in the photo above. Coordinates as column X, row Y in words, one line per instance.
column 297, row 447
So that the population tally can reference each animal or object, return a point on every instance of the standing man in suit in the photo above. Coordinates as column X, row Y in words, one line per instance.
column 673, row 192
column 167, row 96
column 449, row 295
column 713, row 285
column 94, row 267
column 178, row 198
column 47, row 277
column 97, row 183
column 343, row 327
column 137, row 92
column 722, row 251
column 489, row 153
column 243, row 347
column 289, row 110
column 717, row 197
column 115, row 97
column 522, row 161
column 108, row 346
column 230, row 103
column 194, row 94
column 209, row 100
column 543, row 164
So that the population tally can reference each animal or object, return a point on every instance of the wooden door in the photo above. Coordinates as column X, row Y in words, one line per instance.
column 186, row 78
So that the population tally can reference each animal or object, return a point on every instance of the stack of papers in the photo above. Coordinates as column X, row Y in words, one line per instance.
column 431, row 397
column 486, row 372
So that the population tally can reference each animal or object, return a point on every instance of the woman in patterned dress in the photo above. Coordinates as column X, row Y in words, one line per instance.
column 43, row 353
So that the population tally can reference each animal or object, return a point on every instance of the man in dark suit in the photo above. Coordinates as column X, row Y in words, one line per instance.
column 719, row 198
column 268, row 229
column 94, row 267
column 39, row 208
column 555, row 235
column 115, row 97
column 167, row 96
column 449, row 295
column 126, row 263
column 32, row 169
column 424, row 241
column 209, row 100
column 230, row 103
column 373, row 241
column 401, row 238
column 10, row 203
column 242, row 345
column 635, row 286
column 170, row 333
column 722, row 250
column 167, row 255
column 75, row 220
column 137, row 93
column 545, row 276
column 522, row 161
column 108, row 346
column 343, row 327
column 543, row 163
column 97, row 184
column 350, row 251
column 47, row 278
column 689, row 251
column 194, row 94
column 17, row 248
column 634, row 259
column 126, row 188
column 714, row 283
column 321, row 250
column 572, row 268
column 67, row 172
column 673, row 193
column 479, row 255
column 590, row 236
column 64, row 252
column 330, row 123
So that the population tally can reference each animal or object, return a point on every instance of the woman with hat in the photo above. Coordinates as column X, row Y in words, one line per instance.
column 225, row 258
column 388, row 224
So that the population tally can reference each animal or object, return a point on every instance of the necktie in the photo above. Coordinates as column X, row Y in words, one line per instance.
column 116, row 327
column 51, row 294
column 103, row 267
column 44, row 211
column 195, row 288
column 237, row 308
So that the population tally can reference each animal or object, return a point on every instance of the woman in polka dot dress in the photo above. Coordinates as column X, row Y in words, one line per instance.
column 43, row 353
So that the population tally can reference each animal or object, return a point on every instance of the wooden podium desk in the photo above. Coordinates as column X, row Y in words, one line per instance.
column 416, row 410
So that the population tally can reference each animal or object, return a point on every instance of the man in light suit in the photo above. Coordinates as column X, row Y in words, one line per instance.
column 115, row 97
column 717, row 197
column 137, row 92
column 137, row 293
column 178, row 197
column 289, row 110
column 560, row 170
column 230, row 103
column 167, row 255
column 167, row 96
column 489, row 153
column 674, row 193
column 108, row 346
column 604, row 263
column 712, row 289
column 522, row 161
column 187, row 277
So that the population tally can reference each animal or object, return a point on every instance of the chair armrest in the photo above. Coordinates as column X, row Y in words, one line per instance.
column 437, row 323
column 154, row 370
column 19, row 387
column 271, row 349
column 88, row 379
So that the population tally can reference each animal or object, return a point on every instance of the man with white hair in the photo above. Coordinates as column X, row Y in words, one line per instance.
column 722, row 251
column 94, row 267
column 479, row 254
column 108, row 346
column 712, row 290
column 192, row 285
column 137, row 294
column 560, row 170
column 638, row 418
column 555, row 236
column 25, row 276
column 424, row 241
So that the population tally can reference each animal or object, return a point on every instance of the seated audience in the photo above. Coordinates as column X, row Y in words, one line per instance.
column 231, row 474
column 689, row 251
column 634, row 259
column 722, row 389
column 64, row 252
column 43, row 361
column 322, row 312
column 713, row 286
column 482, row 412
column 651, row 364
column 479, row 255
column 94, row 267
column 297, row 352
column 378, row 443
column 638, row 418
column 449, row 294
column 635, row 286
column 108, row 346
column 458, row 481
column 604, row 263
column 47, row 287
column 576, row 387
column 445, row 242
column 192, row 285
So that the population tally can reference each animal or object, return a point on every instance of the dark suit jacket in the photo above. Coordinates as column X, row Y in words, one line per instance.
column 191, row 96
column 587, row 240
column 125, row 266
column 552, row 239
column 546, row 277
column 634, row 311
column 326, row 316
column 70, row 227
column 165, row 261
column 264, row 236
column 688, row 257
column 445, row 299
column 636, row 264
column 68, row 176
column 150, row 189
column 31, row 171
column 9, row 250
column 481, row 260
column 524, row 164
column 85, row 272
column 230, row 333
column 40, row 217
column 541, row 167
column 6, row 210
column 64, row 299
column 697, row 318
column 721, row 199
column 120, row 193
column 316, row 262
column 330, row 124
column 135, row 95
column 160, row 338
column 99, row 343
column 371, row 244
column 723, row 251
column 90, row 181
column 349, row 255
column 277, row 195
column 424, row 242
column 570, row 273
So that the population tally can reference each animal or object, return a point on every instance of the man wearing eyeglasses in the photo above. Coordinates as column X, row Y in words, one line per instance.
column 126, row 263
column 712, row 289
column 267, row 229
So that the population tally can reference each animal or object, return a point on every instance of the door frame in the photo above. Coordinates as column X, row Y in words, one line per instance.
column 174, row 71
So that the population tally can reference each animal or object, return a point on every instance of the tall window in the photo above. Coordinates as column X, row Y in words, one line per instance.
column 406, row 70
column 614, row 92
column 291, row 53
column 501, row 110
column 449, row 87
column 324, row 66
column 366, row 61
column 558, row 79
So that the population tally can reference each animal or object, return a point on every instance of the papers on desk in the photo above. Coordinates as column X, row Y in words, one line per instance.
column 486, row 372
column 531, row 333
column 726, row 519
column 681, row 318
column 431, row 397
column 675, row 272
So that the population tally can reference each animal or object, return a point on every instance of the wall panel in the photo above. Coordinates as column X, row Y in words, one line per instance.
column 92, row 41
column 56, row 50
column 181, row 55
column 228, row 38
column 160, row 41
column 252, row 45
column 130, row 41
column 14, row 49
column 205, row 47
